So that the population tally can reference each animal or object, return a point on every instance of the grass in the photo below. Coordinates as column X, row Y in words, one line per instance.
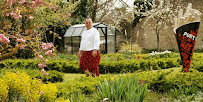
column 70, row 76
column 156, row 97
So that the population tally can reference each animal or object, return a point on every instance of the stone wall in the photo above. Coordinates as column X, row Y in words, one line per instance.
column 145, row 35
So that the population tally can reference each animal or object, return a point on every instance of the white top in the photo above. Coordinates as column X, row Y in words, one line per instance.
column 90, row 40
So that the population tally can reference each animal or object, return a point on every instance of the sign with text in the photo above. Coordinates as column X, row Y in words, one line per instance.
column 186, row 36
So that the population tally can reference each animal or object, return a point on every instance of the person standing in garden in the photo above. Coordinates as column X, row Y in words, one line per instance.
column 89, row 49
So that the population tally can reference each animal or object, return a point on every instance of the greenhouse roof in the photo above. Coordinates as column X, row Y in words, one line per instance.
column 100, row 24
column 77, row 29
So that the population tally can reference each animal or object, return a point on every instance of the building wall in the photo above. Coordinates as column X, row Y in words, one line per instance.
column 145, row 35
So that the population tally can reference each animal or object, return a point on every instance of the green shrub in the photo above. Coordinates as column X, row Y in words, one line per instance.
column 134, row 65
column 54, row 76
column 112, row 57
column 180, row 90
column 50, row 92
column 198, row 50
column 3, row 89
column 25, row 53
column 17, row 90
column 16, row 86
column 66, row 57
column 164, row 81
column 121, row 66
column 84, row 85
column 197, row 62
column 196, row 97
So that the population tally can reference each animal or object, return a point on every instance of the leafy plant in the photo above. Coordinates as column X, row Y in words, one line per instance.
column 180, row 90
column 122, row 89
column 196, row 97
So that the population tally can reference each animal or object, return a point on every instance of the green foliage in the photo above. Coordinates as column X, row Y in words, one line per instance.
column 21, row 63
column 50, row 92
column 85, row 85
column 122, row 89
column 62, row 100
column 120, row 66
column 3, row 89
column 196, row 97
column 64, row 66
column 16, row 86
column 134, row 65
column 66, row 57
column 78, row 96
column 112, row 57
column 164, row 81
column 197, row 62
column 12, row 88
column 199, row 50
column 85, row 8
column 55, row 13
column 54, row 76
column 17, row 89
column 180, row 90
column 25, row 53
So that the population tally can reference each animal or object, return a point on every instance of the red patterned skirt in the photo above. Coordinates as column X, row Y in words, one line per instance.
column 90, row 63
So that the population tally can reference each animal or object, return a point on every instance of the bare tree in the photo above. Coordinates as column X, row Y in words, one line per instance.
column 111, row 11
column 162, row 12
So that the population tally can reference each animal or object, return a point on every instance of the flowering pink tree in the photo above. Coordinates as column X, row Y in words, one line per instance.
column 22, row 26
column 24, row 22
column 18, row 27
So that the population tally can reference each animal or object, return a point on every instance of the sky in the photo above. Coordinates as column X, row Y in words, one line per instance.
column 128, row 2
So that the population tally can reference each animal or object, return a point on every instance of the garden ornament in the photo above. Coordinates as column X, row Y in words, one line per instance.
column 186, row 28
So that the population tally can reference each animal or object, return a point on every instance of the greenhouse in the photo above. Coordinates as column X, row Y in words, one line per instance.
column 72, row 38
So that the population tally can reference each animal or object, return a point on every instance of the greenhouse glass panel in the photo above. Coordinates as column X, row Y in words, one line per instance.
column 67, row 40
column 111, row 31
column 77, row 31
column 69, row 32
column 100, row 32
column 76, row 40
column 111, row 42
column 82, row 30
column 75, row 48
column 102, row 44
column 68, row 49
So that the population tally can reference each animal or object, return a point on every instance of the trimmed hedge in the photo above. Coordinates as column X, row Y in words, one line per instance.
column 122, row 66
column 197, row 62
column 134, row 65
column 54, row 76
column 164, row 81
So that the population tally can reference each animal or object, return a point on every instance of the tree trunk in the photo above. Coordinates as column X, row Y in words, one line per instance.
column 94, row 11
column 158, row 41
